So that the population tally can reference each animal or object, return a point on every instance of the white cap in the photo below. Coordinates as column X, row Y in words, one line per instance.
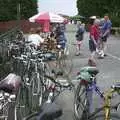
column 93, row 17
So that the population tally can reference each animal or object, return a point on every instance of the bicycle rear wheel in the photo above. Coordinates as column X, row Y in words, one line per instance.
column 80, row 102
column 113, row 116
column 22, row 105
column 36, row 92
column 66, row 64
column 4, row 110
column 32, row 116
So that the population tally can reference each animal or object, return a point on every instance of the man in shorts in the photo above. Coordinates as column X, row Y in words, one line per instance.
column 105, row 29
column 94, row 41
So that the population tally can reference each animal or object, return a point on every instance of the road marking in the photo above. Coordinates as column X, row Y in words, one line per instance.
column 115, row 57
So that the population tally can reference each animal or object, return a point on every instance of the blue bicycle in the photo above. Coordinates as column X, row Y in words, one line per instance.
column 83, row 102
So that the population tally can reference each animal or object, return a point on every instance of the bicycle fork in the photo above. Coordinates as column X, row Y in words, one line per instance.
column 107, row 104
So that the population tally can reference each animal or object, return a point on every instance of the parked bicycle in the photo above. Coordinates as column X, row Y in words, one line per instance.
column 50, row 110
column 30, row 95
column 9, row 87
column 84, row 98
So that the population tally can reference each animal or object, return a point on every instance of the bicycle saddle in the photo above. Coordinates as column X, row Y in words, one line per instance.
column 50, row 111
column 10, row 84
column 90, row 70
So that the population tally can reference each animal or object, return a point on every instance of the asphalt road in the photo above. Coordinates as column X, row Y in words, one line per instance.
column 109, row 70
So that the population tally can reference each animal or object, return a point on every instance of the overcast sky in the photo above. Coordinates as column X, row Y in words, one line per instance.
column 67, row 7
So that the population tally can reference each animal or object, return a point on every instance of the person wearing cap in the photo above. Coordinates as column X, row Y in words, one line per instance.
column 93, row 42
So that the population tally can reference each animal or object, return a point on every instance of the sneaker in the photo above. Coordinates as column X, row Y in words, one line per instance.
column 77, row 54
column 100, row 57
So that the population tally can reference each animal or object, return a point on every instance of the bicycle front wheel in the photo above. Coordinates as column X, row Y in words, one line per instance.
column 22, row 106
column 80, row 102
column 32, row 116
column 36, row 91
column 113, row 116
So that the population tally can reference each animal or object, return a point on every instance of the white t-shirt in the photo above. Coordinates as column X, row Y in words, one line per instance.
column 35, row 39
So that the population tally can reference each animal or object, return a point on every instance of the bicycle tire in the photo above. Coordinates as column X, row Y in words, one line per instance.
column 80, row 102
column 36, row 92
column 4, row 112
column 113, row 116
column 32, row 116
column 66, row 64
column 22, row 105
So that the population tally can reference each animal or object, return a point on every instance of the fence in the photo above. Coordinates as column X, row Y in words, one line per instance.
column 4, row 41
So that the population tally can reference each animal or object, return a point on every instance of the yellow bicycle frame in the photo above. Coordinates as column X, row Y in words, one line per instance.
column 107, row 103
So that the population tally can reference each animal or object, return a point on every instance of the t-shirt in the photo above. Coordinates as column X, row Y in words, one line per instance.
column 94, row 31
column 106, row 27
column 35, row 39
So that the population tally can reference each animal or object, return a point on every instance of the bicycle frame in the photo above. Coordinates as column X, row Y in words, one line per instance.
column 107, row 103
column 106, row 97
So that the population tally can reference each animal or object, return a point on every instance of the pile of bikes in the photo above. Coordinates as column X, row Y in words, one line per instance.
column 37, row 78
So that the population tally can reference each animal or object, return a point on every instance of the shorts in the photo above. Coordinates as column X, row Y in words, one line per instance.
column 78, row 42
column 104, row 39
column 92, row 46
column 62, row 45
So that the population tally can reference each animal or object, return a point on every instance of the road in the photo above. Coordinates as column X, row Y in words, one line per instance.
column 109, row 69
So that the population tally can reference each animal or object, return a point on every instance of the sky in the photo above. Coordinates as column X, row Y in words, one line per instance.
column 67, row 7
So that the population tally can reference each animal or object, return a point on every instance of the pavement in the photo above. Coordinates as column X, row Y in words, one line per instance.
column 109, row 70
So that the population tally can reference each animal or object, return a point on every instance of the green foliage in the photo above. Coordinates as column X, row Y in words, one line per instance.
column 9, row 9
column 115, row 21
column 99, row 8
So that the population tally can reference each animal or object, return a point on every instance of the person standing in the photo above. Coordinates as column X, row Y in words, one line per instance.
column 60, row 35
column 79, row 37
column 105, row 30
column 94, row 41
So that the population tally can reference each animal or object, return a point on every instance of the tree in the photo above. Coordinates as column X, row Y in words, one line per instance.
column 9, row 9
column 98, row 7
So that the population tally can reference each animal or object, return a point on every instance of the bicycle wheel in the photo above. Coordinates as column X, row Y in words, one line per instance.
column 113, row 116
column 36, row 92
column 4, row 110
column 32, row 116
column 66, row 64
column 22, row 105
column 80, row 102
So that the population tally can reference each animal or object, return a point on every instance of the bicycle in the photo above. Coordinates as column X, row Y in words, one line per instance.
column 9, row 87
column 49, row 110
column 30, row 95
column 83, row 97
